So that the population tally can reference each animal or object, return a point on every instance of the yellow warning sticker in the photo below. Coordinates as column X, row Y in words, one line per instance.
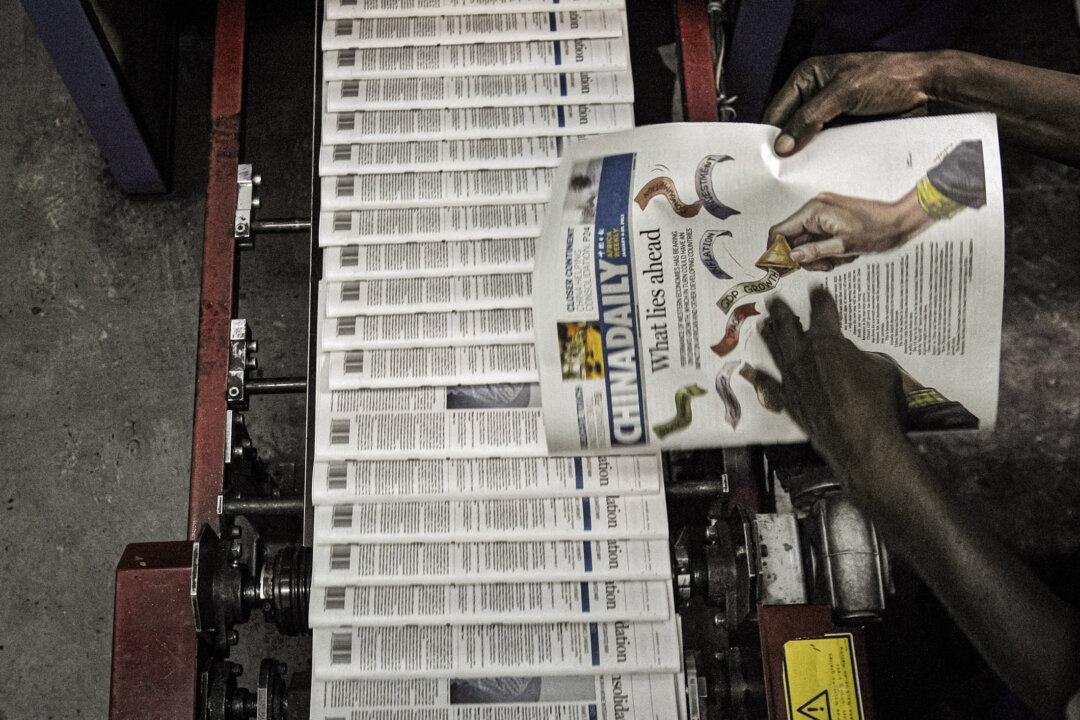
column 821, row 680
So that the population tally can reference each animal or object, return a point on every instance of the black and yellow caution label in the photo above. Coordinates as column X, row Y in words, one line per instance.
column 821, row 679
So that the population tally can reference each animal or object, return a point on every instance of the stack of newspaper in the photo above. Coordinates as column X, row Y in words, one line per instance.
column 459, row 570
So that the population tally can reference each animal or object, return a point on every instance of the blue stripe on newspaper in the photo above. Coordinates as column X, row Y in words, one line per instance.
column 579, row 475
column 551, row 21
column 562, row 84
column 615, row 296
column 592, row 712
column 562, row 116
column 558, row 53
column 584, row 597
column 594, row 638
column 586, row 514
column 587, row 549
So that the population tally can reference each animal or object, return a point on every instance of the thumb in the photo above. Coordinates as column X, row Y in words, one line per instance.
column 811, row 252
column 807, row 121
column 769, row 390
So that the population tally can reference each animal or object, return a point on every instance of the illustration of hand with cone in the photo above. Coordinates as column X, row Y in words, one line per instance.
column 831, row 229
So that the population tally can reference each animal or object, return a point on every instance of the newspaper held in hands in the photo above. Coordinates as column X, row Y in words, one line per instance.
column 663, row 246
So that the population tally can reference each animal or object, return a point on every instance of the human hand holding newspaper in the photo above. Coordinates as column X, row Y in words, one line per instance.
column 646, row 339
column 848, row 402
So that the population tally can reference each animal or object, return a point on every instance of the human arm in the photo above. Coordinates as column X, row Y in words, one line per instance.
column 831, row 228
column 851, row 407
column 1037, row 109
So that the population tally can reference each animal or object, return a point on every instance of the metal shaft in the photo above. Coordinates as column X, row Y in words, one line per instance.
column 281, row 225
column 698, row 489
column 263, row 506
column 276, row 386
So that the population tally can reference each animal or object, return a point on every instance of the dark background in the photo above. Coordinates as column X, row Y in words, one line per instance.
column 97, row 346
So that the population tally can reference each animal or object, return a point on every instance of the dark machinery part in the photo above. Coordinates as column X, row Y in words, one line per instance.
column 242, row 349
column 275, row 699
column 224, row 590
column 247, row 202
column 740, row 684
column 817, row 560
column 242, row 362
column 285, row 589
column 222, row 698
column 825, row 552
column 847, row 566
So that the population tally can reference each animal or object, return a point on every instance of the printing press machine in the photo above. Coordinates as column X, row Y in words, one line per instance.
column 765, row 548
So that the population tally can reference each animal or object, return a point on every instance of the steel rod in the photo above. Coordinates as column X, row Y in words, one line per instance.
column 276, row 386
column 281, row 225
column 263, row 506
column 700, row 489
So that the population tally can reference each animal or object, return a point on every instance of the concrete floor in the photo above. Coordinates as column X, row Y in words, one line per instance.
column 97, row 330
column 97, row 342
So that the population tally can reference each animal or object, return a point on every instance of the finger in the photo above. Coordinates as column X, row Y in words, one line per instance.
column 820, row 265
column 802, row 238
column 800, row 85
column 824, row 314
column 806, row 122
column 799, row 223
column 809, row 77
column 783, row 335
column 770, row 391
column 814, row 251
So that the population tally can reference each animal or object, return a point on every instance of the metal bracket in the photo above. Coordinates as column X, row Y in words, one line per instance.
column 247, row 199
column 242, row 349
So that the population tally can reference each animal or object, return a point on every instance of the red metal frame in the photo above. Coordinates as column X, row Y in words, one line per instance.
column 696, row 60
column 217, row 297
column 155, row 648
column 779, row 623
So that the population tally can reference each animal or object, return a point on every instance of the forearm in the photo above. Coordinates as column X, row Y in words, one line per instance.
column 1037, row 109
column 1025, row 632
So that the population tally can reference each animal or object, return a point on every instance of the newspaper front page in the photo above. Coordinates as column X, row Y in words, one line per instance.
column 553, row 697
column 464, row 29
column 484, row 650
column 339, row 9
column 659, row 259
column 540, row 602
column 485, row 478
column 490, row 562
column 584, row 518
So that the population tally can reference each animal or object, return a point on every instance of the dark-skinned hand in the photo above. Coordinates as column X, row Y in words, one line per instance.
column 867, row 84
column 849, row 403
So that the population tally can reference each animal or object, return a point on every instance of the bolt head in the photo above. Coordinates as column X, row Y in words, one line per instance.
column 232, row 637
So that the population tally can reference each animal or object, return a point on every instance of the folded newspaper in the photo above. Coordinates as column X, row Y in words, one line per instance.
column 663, row 245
